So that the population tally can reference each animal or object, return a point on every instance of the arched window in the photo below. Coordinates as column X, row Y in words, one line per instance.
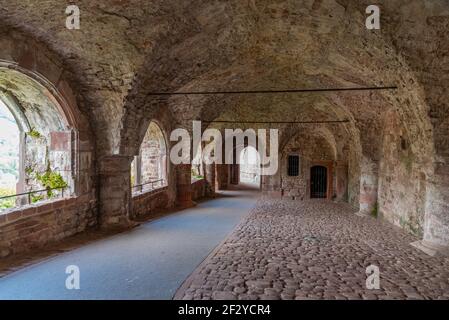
column 197, row 166
column 250, row 166
column 37, row 141
column 149, row 168
column 9, row 156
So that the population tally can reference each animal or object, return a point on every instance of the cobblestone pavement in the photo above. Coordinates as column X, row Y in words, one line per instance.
column 316, row 250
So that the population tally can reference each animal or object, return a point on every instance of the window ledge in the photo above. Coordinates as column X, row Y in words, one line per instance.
column 18, row 213
column 148, row 192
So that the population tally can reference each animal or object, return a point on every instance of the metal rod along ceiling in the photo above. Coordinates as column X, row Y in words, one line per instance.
column 272, row 91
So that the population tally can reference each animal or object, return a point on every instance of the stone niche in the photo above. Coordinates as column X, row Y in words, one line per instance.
column 312, row 150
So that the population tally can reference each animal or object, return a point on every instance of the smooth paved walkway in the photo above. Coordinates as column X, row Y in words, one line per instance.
column 148, row 262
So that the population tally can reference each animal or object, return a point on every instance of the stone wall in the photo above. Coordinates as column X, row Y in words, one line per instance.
column 310, row 149
column 402, row 181
column 148, row 203
column 35, row 226
column 198, row 189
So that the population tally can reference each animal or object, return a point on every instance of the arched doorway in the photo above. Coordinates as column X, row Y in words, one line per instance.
column 149, row 168
column 318, row 182
column 249, row 168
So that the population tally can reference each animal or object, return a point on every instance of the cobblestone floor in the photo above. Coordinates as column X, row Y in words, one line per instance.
column 316, row 250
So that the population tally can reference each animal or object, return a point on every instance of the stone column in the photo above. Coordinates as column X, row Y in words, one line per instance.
column 222, row 176
column 341, row 181
column 184, row 186
column 115, row 191
column 210, row 179
column 368, row 185
column 436, row 219
column 234, row 174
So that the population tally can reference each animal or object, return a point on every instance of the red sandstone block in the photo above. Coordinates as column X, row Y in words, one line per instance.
column 70, row 201
column 25, row 224
column 14, row 216
column 29, row 212
column 58, row 204
column 3, row 218
column 45, row 208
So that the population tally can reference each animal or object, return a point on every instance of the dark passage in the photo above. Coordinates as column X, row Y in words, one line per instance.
column 318, row 182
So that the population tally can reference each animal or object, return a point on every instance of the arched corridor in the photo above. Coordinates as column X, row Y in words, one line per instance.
column 337, row 133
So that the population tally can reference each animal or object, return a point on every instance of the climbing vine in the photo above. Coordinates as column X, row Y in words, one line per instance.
column 34, row 133
column 50, row 181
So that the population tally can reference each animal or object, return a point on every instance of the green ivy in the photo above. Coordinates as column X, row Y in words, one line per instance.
column 35, row 199
column 375, row 210
column 34, row 133
column 29, row 171
column 8, row 202
column 51, row 180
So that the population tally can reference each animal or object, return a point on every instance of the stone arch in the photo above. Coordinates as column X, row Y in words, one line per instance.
column 250, row 169
column 303, row 145
column 49, row 135
column 150, row 166
column 40, row 92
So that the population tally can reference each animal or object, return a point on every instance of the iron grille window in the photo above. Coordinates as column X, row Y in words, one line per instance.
column 293, row 166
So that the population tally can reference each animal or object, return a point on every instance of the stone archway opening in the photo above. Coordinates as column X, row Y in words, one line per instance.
column 249, row 167
column 9, row 156
column 149, row 168
column 41, row 143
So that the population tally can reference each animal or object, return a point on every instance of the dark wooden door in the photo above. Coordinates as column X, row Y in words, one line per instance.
column 318, row 182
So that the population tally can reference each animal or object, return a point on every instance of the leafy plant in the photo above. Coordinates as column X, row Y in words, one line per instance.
column 29, row 171
column 375, row 210
column 34, row 133
column 35, row 199
column 8, row 202
column 51, row 180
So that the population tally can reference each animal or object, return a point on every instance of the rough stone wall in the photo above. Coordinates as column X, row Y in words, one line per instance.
column 310, row 148
column 199, row 189
column 402, row 182
column 38, row 81
column 35, row 226
column 124, row 52
column 149, row 203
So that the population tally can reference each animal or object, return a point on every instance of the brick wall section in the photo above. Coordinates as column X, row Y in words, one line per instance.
column 38, row 225
column 147, row 203
column 198, row 189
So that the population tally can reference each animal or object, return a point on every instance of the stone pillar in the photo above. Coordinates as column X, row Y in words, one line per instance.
column 436, row 219
column 341, row 181
column 115, row 191
column 369, row 173
column 210, row 179
column 184, row 186
column 222, row 176
column 234, row 173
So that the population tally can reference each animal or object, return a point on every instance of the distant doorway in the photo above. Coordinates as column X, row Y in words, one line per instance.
column 250, row 167
column 318, row 182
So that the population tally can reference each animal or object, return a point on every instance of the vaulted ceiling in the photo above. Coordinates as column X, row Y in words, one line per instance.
column 127, row 49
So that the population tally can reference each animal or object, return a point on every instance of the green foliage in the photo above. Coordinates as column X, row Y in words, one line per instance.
column 34, row 133
column 375, row 210
column 29, row 171
column 408, row 225
column 51, row 180
column 9, row 202
column 37, row 198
